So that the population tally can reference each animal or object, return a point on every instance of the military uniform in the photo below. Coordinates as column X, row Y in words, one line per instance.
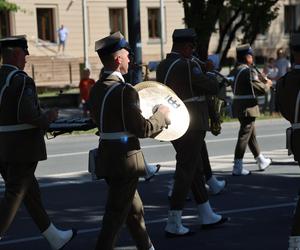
column 246, row 87
column 244, row 106
column 115, row 109
column 193, row 95
column 183, row 74
column 287, row 92
column 22, row 145
column 288, row 100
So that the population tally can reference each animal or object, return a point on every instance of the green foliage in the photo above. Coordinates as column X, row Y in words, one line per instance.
column 202, row 15
column 5, row 5
column 250, row 17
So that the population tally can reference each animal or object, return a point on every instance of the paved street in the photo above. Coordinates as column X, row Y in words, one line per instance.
column 260, row 206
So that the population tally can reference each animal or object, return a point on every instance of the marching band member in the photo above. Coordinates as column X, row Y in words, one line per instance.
column 215, row 185
column 116, row 111
column 179, row 72
column 247, row 85
column 288, row 99
column 22, row 145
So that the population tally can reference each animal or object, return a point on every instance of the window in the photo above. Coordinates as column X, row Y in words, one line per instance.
column 116, row 20
column 4, row 24
column 45, row 24
column 154, row 23
column 289, row 18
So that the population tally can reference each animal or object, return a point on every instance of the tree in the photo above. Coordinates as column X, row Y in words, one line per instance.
column 249, row 17
column 4, row 5
column 202, row 16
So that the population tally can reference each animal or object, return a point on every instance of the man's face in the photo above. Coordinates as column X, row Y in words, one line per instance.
column 249, row 59
column 123, row 59
column 20, row 58
column 188, row 50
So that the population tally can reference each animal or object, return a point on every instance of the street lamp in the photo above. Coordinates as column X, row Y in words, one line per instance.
column 85, row 34
column 162, row 29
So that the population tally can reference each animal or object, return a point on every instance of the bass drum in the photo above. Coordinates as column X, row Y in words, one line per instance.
column 152, row 93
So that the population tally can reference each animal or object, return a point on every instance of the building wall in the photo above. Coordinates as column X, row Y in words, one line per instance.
column 69, row 13
column 266, row 44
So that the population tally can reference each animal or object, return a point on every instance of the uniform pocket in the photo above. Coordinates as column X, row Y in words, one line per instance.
column 135, row 163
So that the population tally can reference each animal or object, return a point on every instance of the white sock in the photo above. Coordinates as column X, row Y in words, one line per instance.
column 57, row 238
column 150, row 170
column 207, row 215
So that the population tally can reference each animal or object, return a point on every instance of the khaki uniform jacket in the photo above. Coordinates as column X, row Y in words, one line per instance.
column 187, row 80
column 248, row 84
column 20, row 105
column 121, row 113
column 287, row 89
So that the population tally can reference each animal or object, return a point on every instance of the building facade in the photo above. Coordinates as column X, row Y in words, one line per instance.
column 40, row 20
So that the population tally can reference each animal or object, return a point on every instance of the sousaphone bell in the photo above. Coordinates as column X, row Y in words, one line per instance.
column 152, row 93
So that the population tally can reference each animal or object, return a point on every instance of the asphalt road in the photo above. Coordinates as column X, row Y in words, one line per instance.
column 260, row 206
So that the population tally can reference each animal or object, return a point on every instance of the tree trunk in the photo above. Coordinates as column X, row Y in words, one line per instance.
column 231, row 38
column 226, row 29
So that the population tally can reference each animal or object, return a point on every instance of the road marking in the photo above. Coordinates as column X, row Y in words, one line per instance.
column 235, row 138
column 93, row 230
column 67, row 154
column 165, row 145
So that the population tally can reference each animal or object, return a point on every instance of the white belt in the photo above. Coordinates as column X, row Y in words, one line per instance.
column 243, row 97
column 115, row 136
column 196, row 99
column 17, row 127
column 296, row 125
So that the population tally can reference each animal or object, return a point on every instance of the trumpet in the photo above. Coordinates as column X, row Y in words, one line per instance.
column 223, row 81
column 262, row 77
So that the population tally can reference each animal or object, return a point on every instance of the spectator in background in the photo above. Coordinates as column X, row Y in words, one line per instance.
column 85, row 86
column 282, row 63
column 271, row 72
column 62, row 38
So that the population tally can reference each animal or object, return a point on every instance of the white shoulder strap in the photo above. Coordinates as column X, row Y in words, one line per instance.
column 297, row 108
column 103, row 104
column 7, row 82
column 237, row 77
column 169, row 70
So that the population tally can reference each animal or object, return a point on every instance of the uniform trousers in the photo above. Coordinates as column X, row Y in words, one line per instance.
column 206, row 163
column 21, row 186
column 123, row 206
column 296, row 219
column 247, row 136
column 189, row 174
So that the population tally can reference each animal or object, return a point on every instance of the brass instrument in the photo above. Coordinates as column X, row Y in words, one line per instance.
column 216, row 102
column 262, row 77
column 223, row 81
column 153, row 93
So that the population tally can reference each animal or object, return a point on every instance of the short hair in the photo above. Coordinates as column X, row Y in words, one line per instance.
column 106, row 59
column 7, row 52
